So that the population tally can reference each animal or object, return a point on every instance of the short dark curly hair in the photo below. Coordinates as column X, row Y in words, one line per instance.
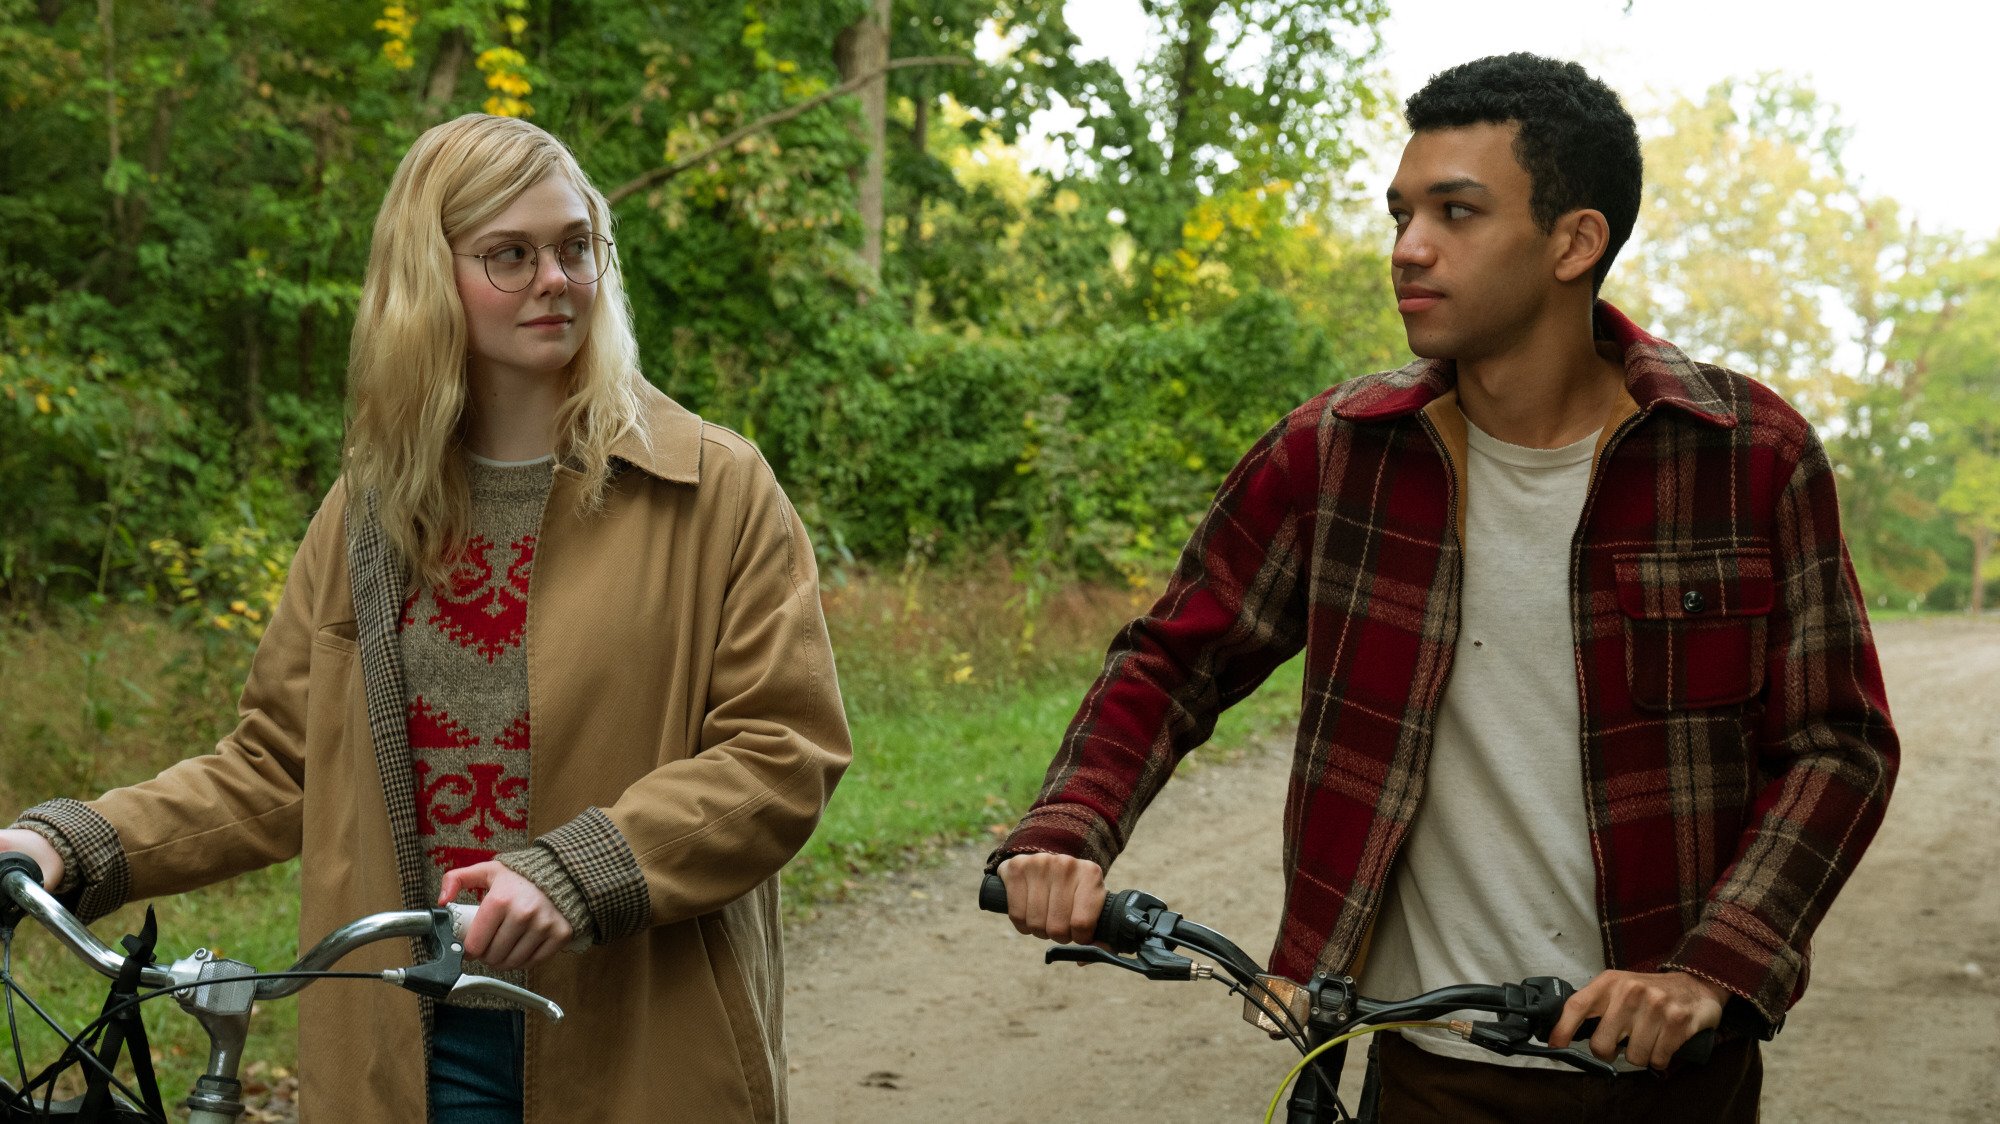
column 1577, row 143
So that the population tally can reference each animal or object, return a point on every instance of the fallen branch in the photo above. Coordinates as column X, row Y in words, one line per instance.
column 662, row 174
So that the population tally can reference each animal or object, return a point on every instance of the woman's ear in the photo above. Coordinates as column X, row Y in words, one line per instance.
column 1581, row 238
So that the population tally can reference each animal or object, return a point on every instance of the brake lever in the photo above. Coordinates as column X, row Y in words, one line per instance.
column 1508, row 1039
column 1154, row 960
column 439, row 975
column 490, row 988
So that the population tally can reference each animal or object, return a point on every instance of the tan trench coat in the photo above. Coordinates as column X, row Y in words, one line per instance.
column 688, row 731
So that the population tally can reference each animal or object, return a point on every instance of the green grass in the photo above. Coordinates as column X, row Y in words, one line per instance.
column 952, row 770
column 90, row 701
column 958, row 689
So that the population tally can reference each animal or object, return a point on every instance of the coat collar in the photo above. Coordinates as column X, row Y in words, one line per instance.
column 666, row 442
column 1656, row 374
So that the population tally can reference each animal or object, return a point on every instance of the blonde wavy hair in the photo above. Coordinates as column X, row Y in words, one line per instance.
column 406, row 362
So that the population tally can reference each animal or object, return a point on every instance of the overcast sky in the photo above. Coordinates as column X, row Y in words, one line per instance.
column 1916, row 79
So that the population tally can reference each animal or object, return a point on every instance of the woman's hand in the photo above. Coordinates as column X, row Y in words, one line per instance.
column 516, row 926
column 31, row 844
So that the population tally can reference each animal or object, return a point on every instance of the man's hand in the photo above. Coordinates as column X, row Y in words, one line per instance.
column 516, row 925
column 31, row 844
column 1653, row 1013
column 1056, row 897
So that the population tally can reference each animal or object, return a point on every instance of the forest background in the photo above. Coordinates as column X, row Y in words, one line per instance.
column 1000, row 372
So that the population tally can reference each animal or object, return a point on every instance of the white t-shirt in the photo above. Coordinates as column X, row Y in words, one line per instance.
column 1495, row 881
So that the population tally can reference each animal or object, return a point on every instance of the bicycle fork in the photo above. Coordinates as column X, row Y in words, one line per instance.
column 1312, row 1098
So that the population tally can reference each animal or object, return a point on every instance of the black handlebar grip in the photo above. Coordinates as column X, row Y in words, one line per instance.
column 993, row 899
column 1695, row 1051
column 993, row 894
column 11, row 861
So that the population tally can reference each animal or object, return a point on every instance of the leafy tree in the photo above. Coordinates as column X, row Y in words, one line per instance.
column 1756, row 245
column 1962, row 394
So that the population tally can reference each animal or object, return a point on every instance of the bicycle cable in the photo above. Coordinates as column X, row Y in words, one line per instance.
column 1279, row 1011
column 172, row 988
column 75, row 1042
column 1272, row 1112
column 73, row 1045
column 1298, row 1041
column 7, row 973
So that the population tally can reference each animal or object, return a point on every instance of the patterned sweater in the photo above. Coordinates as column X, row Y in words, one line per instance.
column 464, row 648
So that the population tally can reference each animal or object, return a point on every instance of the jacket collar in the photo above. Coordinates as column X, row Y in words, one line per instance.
column 666, row 442
column 1656, row 374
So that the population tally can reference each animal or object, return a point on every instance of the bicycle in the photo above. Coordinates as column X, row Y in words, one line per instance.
column 218, row 992
column 1321, row 1016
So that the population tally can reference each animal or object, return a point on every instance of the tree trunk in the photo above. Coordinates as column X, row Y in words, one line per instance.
column 1200, row 17
column 1161, row 235
column 913, row 224
column 863, row 47
column 1982, row 549
column 253, row 369
column 442, row 85
column 308, row 345
column 107, row 23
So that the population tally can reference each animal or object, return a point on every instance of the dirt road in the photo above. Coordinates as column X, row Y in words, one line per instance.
column 909, row 1005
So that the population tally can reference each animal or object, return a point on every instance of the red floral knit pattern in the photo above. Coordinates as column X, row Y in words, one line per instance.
column 465, row 656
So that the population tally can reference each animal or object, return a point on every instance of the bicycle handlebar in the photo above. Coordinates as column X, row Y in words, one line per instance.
column 22, row 894
column 1132, row 918
column 21, row 881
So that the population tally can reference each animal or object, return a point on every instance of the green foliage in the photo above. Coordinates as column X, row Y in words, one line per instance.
column 82, row 434
column 1091, row 454
column 1060, row 355
column 187, row 210
column 1758, row 248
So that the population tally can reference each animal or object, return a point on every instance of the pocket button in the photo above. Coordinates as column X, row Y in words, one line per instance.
column 1692, row 601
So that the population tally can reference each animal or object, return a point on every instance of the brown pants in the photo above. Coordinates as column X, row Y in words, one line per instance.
column 1419, row 1087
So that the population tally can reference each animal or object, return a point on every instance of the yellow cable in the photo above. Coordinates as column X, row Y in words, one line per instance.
column 1272, row 1112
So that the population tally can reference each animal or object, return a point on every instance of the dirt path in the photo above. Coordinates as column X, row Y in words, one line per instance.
column 909, row 1005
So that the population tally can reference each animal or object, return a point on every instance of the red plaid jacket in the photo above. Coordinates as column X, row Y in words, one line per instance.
column 1736, row 743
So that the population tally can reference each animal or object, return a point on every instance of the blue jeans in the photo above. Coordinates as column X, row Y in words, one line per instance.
column 475, row 1073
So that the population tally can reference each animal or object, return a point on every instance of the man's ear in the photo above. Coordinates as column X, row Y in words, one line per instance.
column 1580, row 239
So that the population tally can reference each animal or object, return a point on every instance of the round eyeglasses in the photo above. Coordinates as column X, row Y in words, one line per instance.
column 513, row 266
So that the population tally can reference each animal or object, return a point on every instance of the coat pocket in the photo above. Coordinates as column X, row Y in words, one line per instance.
column 1695, row 626
column 339, row 636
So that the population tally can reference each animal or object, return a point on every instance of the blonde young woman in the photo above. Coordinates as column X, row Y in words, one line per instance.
column 551, row 642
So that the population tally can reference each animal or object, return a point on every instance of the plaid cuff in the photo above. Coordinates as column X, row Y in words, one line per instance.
column 538, row 864
column 598, row 860
column 1735, row 951
column 1061, row 829
column 92, row 856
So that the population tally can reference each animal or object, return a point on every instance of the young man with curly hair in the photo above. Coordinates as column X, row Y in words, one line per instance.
column 1589, row 688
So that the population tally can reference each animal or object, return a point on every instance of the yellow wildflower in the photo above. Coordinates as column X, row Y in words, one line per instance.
column 398, row 23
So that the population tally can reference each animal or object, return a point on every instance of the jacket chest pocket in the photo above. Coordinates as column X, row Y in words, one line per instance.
column 1695, row 626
